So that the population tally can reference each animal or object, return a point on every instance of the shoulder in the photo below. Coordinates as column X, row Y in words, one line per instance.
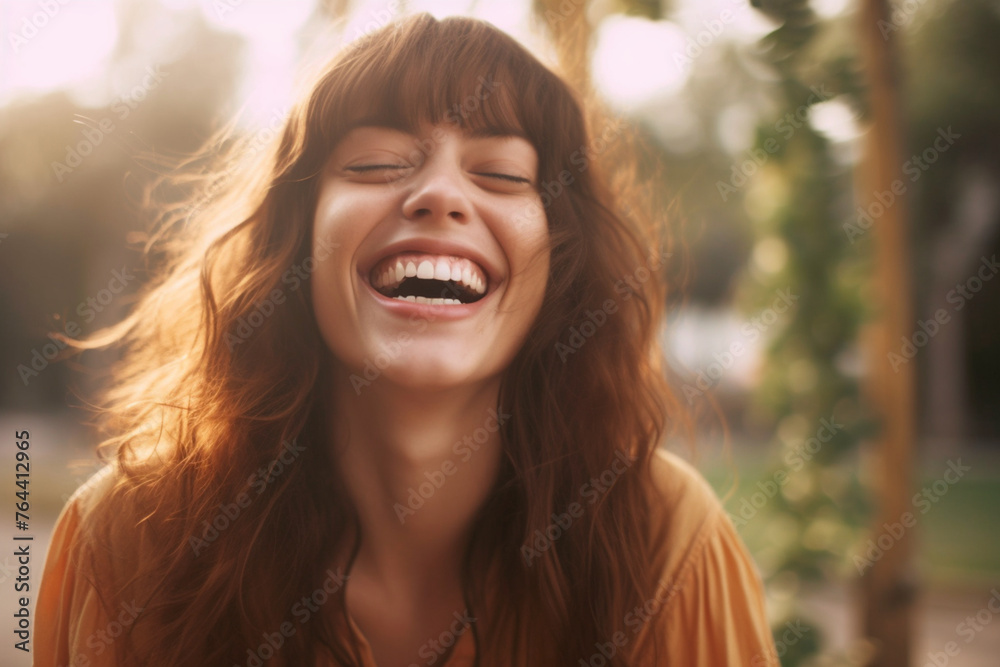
column 74, row 526
column 684, row 511
column 70, row 526
column 708, row 607
column 685, row 514
column 87, row 496
column 70, row 612
column 683, row 499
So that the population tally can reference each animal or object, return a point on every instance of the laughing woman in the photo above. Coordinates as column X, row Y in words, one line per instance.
column 392, row 402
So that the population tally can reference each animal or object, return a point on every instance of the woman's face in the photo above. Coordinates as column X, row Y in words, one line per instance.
column 431, row 254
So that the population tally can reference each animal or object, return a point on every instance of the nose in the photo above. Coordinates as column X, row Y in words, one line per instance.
column 438, row 192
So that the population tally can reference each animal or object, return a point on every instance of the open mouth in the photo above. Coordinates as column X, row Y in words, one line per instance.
column 426, row 278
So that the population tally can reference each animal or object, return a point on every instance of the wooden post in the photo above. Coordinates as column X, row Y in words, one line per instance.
column 888, row 586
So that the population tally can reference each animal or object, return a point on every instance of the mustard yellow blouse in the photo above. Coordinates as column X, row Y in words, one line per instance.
column 710, row 598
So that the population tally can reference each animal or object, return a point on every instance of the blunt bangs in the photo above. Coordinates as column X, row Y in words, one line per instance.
column 456, row 71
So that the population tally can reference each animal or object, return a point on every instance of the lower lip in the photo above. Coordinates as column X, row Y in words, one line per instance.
column 429, row 311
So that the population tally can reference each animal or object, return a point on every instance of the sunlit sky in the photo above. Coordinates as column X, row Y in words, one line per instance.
column 635, row 60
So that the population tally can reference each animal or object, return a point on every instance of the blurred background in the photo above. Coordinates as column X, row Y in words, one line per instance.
column 833, row 169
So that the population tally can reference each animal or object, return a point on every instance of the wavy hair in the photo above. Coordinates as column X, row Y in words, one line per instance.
column 212, row 395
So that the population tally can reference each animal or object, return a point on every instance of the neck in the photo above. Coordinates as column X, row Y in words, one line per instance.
column 418, row 466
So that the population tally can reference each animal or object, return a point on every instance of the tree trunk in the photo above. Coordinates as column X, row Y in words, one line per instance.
column 888, row 585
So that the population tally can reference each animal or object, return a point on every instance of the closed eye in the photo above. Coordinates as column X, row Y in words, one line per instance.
column 365, row 168
column 505, row 177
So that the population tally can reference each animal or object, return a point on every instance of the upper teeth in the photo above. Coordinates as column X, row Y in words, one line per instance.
column 390, row 272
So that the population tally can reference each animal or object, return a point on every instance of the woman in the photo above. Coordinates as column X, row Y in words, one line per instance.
column 396, row 400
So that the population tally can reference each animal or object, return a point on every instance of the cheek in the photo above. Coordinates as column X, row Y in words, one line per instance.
column 339, row 221
column 334, row 242
column 330, row 302
column 330, row 254
column 340, row 226
column 527, row 246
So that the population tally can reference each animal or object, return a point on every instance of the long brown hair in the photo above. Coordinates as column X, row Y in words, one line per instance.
column 226, row 485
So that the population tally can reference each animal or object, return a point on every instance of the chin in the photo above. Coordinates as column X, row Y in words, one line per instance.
column 437, row 372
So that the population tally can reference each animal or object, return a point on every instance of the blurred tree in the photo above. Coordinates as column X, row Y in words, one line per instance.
column 71, row 177
column 799, row 194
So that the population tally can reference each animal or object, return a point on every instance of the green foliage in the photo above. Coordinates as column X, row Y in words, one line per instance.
column 809, row 394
